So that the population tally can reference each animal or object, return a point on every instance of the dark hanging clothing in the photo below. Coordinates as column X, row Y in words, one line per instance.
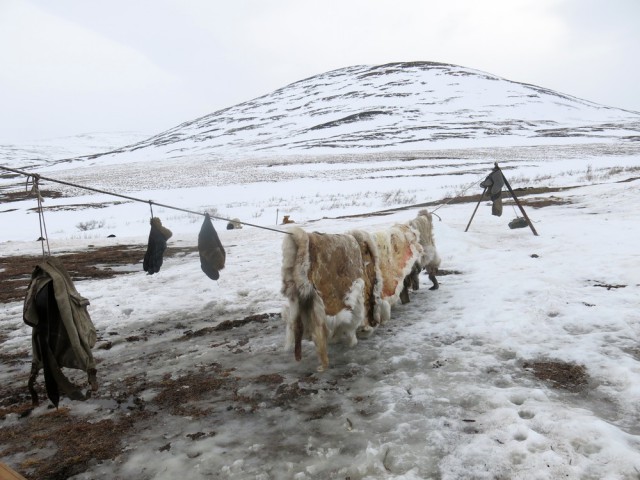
column 494, row 183
column 156, row 246
column 63, row 333
column 212, row 254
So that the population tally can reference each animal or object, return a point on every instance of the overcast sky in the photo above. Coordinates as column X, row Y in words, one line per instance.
column 75, row 66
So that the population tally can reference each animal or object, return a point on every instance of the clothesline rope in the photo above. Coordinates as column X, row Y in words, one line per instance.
column 475, row 182
column 36, row 177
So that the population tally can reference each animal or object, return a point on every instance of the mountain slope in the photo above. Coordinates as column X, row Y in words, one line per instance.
column 397, row 106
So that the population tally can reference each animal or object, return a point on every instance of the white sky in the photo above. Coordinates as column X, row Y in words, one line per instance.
column 71, row 66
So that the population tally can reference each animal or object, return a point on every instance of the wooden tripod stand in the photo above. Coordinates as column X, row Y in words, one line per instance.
column 513, row 195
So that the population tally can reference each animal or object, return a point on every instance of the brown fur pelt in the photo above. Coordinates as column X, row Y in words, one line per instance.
column 375, row 313
column 212, row 254
column 323, row 277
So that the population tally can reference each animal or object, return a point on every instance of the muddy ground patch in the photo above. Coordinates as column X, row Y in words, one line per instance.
column 93, row 263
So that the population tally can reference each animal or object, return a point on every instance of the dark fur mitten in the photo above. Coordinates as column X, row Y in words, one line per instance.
column 158, row 237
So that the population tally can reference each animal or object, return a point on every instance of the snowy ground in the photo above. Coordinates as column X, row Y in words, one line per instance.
column 446, row 390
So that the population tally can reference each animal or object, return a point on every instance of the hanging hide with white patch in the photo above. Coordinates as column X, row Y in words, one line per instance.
column 324, row 279
column 429, row 259
column 398, row 250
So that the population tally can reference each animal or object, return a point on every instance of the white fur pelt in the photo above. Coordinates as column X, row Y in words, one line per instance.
column 398, row 250
column 429, row 259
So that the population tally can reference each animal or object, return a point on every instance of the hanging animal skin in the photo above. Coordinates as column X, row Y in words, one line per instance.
column 212, row 254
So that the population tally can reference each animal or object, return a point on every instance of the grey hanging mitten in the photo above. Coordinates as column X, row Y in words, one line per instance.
column 212, row 254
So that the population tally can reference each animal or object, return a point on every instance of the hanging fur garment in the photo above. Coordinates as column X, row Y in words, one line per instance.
column 63, row 333
column 494, row 182
column 158, row 237
column 212, row 254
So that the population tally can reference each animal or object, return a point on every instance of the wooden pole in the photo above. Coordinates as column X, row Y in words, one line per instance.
column 524, row 214
column 7, row 473
column 476, row 209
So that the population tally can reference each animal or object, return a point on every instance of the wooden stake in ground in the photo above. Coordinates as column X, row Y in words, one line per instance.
column 7, row 473
column 476, row 209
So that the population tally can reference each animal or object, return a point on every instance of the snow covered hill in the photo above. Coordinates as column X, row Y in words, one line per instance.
column 418, row 105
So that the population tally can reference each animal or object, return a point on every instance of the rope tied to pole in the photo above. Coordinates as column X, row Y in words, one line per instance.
column 35, row 189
